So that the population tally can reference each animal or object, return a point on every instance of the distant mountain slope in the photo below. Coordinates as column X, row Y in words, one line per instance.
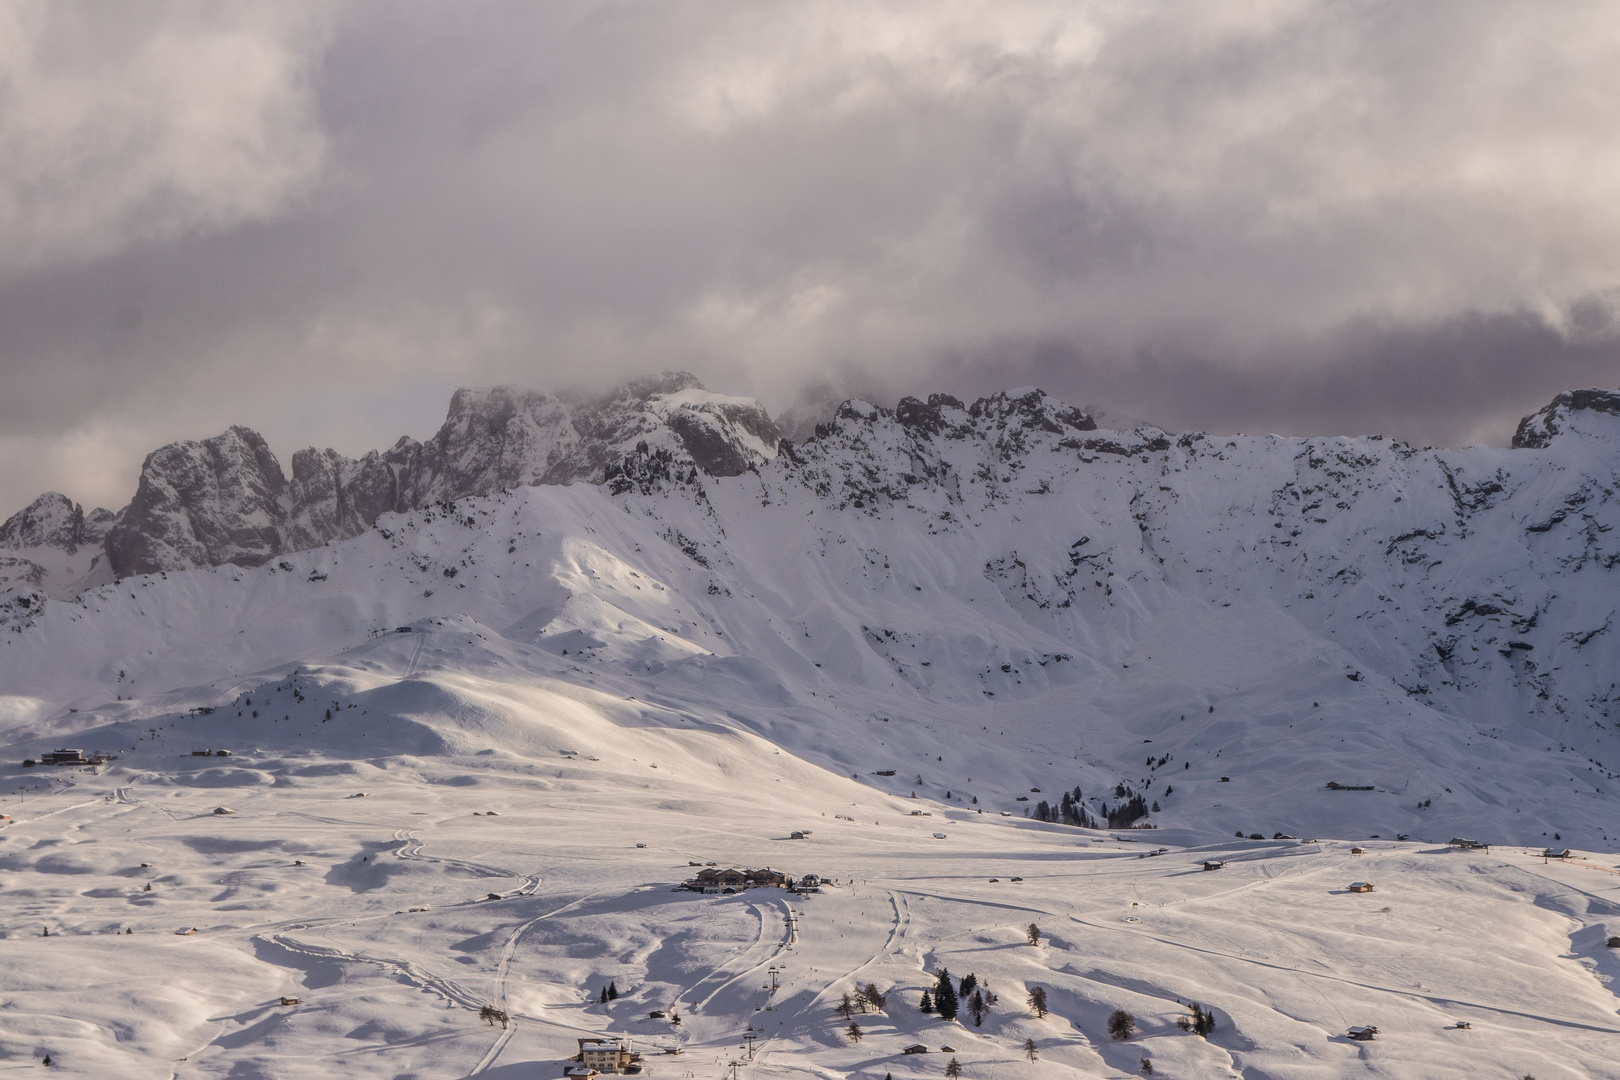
column 984, row 599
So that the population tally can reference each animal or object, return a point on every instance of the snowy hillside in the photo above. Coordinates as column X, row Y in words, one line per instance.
column 1348, row 610
column 984, row 613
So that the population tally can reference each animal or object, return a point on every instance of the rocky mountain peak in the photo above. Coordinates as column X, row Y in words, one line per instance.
column 1031, row 407
column 52, row 520
column 1571, row 409
column 202, row 504
column 53, row 540
column 1009, row 416
column 226, row 499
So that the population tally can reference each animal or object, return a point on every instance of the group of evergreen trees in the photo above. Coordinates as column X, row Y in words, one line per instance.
column 1070, row 810
column 1123, row 814
column 610, row 992
column 866, row 998
column 949, row 1000
column 1201, row 1022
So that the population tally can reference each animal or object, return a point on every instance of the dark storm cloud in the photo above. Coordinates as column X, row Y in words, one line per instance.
column 319, row 219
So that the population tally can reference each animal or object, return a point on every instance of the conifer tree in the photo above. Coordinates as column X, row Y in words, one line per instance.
column 1030, row 1050
column 977, row 1007
column 927, row 1005
column 613, row 990
column 1037, row 1001
column 945, row 996
column 953, row 1068
column 854, row 1032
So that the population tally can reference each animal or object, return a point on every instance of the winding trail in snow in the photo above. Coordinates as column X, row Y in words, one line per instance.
column 502, row 972
column 898, row 928
column 410, row 848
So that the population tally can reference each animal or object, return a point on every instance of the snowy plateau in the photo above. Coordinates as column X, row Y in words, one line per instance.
column 473, row 711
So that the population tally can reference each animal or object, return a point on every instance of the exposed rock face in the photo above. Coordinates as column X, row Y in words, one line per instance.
column 500, row 438
column 221, row 500
column 723, row 436
column 51, row 544
column 1537, row 431
column 226, row 499
column 52, row 520
column 333, row 496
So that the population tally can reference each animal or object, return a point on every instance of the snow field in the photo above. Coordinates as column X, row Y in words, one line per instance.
column 1273, row 943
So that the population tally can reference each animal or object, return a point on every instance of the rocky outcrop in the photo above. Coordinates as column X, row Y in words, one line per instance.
column 502, row 437
column 333, row 497
column 222, row 500
column 52, row 520
column 51, row 544
column 723, row 436
column 1537, row 431
column 226, row 500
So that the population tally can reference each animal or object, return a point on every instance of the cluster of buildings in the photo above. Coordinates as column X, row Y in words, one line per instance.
column 732, row 880
column 68, row 757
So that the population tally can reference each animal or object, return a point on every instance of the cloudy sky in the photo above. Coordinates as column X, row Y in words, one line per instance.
column 317, row 219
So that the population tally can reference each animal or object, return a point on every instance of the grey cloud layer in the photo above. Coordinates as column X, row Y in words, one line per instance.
column 319, row 220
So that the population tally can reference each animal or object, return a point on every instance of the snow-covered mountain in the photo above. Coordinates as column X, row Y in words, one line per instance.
column 934, row 641
column 52, row 541
column 1428, row 622
column 227, row 500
